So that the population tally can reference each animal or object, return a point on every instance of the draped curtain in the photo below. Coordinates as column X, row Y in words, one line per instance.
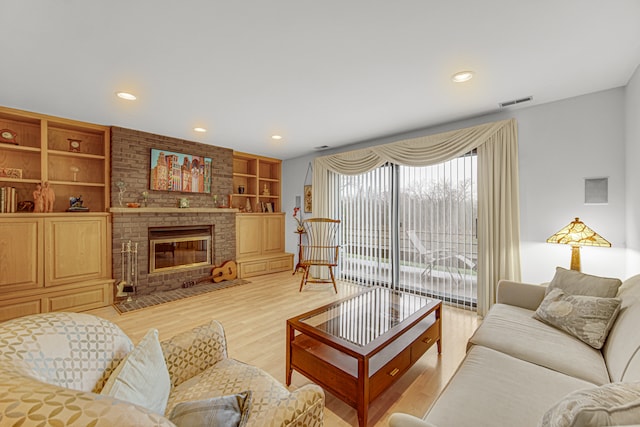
column 498, row 193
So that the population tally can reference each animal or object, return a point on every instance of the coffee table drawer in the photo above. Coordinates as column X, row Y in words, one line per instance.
column 389, row 373
column 425, row 341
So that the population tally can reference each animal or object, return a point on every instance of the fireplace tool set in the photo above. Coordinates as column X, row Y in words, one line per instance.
column 129, row 270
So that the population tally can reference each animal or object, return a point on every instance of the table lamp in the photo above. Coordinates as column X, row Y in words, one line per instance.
column 577, row 234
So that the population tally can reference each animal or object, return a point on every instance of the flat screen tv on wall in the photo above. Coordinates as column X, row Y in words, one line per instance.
column 179, row 172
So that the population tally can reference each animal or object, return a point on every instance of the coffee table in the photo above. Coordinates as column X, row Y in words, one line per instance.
column 358, row 346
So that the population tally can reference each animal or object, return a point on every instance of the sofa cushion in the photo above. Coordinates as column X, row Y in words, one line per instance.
column 491, row 388
column 223, row 411
column 513, row 330
column 587, row 318
column 142, row 377
column 607, row 405
column 577, row 283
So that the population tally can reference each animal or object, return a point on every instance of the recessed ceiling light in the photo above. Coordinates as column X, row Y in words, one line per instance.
column 200, row 129
column 462, row 76
column 276, row 137
column 126, row 95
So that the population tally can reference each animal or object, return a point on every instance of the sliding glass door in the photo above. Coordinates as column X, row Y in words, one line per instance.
column 413, row 228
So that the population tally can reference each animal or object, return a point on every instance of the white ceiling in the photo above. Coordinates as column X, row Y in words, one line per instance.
column 329, row 72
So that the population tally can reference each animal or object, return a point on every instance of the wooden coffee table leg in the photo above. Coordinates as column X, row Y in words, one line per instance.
column 290, row 336
column 363, row 392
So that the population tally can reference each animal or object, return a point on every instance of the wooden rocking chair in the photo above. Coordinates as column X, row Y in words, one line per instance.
column 321, row 249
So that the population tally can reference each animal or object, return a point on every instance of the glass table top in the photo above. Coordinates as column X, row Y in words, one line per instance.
column 364, row 317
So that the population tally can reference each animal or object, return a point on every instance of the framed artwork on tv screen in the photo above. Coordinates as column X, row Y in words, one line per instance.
column 179, row 172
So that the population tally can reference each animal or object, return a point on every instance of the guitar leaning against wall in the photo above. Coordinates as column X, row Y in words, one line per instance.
column 227, row 271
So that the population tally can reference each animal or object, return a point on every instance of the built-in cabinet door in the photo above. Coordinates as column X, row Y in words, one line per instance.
column 75, row 249
column 272, row 234
column 248, row 235
column 21, row 251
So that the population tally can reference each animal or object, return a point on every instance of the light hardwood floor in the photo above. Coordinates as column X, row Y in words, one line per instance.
column 254, row 317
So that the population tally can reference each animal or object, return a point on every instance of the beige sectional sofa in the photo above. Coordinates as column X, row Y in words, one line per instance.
column 59, row 369
column 521, row 371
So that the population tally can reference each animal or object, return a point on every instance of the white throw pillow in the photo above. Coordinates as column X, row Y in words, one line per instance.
column 142, row 377
column 607, row 405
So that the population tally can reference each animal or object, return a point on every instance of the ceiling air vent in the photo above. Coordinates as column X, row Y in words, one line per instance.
column 321, row 147
column 515, row 102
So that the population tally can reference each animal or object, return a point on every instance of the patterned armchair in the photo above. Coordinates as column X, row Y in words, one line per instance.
column 53, row 365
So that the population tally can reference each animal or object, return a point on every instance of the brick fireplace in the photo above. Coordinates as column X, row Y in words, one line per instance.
column 130, row 161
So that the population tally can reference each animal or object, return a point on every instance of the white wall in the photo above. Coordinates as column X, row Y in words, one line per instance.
column 632, row 107
column 560, row 144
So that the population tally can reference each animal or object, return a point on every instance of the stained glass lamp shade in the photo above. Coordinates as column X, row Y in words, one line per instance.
column 578, row 234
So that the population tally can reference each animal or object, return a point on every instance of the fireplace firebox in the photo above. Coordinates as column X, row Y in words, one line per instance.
column 180, row 247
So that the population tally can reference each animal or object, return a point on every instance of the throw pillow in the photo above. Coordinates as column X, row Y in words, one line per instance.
column 586, row 318
column 232, row 411
column 607, row 405
column 577, row 283
column 142, row 377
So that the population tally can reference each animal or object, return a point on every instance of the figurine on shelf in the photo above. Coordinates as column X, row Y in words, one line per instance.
column 265, row 191
column 75, row 205
column 75, row 170
column 247, row 207
column 38, row 202
column 48, row 197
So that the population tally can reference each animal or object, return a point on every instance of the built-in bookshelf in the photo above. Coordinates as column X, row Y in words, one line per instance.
column 256, row 183
column 72, row 156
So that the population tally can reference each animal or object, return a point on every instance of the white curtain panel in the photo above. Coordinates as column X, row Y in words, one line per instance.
column 498, row 193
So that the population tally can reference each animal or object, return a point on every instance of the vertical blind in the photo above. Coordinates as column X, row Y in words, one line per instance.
column 413, row 229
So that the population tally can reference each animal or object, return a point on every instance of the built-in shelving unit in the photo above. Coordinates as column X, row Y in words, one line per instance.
column 72, row 156
column 55, row 260
column 256, row 179
column 260, row 225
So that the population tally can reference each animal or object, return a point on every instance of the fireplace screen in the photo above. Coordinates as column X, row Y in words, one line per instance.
column 173, row 248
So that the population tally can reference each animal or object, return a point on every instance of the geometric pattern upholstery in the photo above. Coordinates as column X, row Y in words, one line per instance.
column 270, row 400
column 194, row 351
column 71, row 350
column 29, row 402
column 53, row 364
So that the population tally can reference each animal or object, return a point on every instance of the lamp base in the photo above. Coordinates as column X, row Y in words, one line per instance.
column 575, row 258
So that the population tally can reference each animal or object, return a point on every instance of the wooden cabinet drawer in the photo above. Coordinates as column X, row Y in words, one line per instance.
column 266, row 265
column 425, row 341
column 80, row 299
column 253, row 268
column 10, row 309
column 281, row 264
column 389, row 373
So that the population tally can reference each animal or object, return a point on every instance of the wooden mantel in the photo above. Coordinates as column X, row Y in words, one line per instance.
column 171, row 210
